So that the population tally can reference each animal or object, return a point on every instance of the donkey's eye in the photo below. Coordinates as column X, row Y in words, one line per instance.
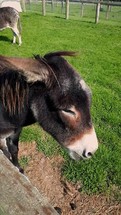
column 69, row 112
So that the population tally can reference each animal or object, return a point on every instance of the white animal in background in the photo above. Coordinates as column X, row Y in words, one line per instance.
column 9, row 18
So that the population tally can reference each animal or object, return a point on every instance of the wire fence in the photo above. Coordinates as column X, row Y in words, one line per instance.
column 77, row 9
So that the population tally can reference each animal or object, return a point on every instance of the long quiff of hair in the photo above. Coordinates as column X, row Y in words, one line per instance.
column 13, row 91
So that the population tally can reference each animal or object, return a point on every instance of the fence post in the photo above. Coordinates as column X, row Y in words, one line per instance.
column 82, row 9
column 67, row 9
column 52, row 5
column 97, row 12
column 43, row 8
column 107, row 12
column 62, row 5
column 23, row 5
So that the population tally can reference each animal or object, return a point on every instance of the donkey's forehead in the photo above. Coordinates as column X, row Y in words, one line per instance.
column 77, row 82
column 85, row 87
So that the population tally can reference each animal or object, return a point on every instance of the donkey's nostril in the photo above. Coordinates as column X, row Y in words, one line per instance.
column 89, row 154
column 86, row 154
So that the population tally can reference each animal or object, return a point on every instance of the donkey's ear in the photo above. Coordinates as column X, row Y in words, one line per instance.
column 47, row 74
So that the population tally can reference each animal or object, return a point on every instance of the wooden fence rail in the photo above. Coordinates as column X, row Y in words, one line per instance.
column 17, row 195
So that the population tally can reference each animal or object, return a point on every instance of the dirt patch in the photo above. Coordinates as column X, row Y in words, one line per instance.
column 45, row 174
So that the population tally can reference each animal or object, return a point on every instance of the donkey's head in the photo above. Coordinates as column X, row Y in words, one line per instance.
column 64, row 110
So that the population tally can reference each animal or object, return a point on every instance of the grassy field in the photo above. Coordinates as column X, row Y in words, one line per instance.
column 99, row 63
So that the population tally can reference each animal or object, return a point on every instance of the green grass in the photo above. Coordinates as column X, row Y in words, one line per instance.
column 24, row 160
column 99, row 63
column 2, row 212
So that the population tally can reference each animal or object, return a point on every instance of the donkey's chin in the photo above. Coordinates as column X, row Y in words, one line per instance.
column 76, row 156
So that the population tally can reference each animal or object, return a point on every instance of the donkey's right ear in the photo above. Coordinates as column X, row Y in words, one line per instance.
column 46, row 74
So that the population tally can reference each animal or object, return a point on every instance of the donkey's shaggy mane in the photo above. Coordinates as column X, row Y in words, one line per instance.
column 13, row 91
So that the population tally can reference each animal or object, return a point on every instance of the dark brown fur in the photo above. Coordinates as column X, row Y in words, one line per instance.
column 14, row 82
column 46, row 90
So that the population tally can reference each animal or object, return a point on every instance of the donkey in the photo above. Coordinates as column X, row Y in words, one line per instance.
column 47, row 90
column 9, row 18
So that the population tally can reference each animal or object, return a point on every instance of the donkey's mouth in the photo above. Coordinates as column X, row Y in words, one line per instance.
column 75, row 156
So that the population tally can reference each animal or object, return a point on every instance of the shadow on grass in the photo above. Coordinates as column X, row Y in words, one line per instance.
column 5, row 39
column 79, row 20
